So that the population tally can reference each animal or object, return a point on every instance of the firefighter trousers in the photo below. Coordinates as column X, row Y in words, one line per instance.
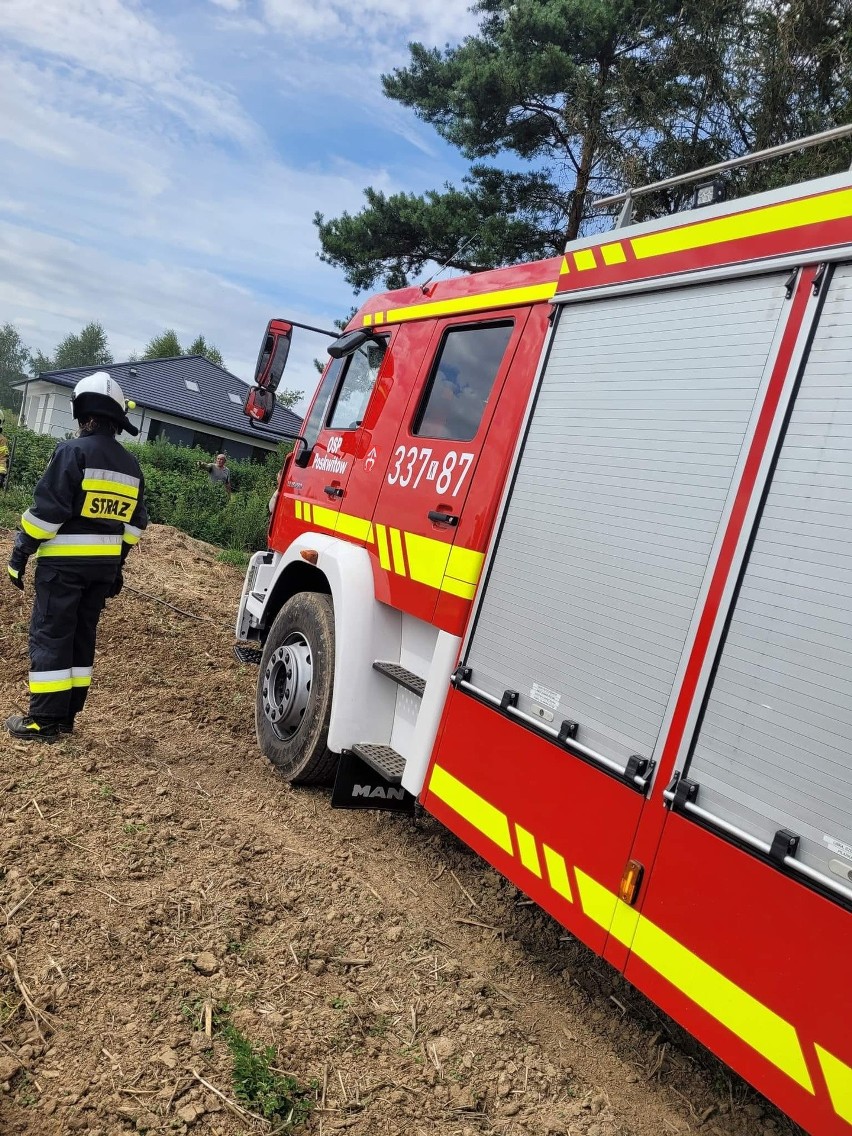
column 68, row 603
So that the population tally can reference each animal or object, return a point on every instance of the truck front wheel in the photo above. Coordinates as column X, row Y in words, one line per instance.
column 293, row 704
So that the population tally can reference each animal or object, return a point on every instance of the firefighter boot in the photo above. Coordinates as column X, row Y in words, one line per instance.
column 31, row 730
column 66, row 725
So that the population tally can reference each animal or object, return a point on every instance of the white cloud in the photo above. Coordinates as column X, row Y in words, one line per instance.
column 375, row 21
column 49, row 282
column 116, row 42
column 162, row 163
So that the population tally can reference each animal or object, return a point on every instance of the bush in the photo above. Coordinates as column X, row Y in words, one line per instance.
column 177, row 492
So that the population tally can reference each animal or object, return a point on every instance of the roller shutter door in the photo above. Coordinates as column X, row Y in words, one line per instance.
column 775, row 745
column 623, row 479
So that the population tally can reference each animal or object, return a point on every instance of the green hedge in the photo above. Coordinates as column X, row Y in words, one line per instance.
column 176, row 491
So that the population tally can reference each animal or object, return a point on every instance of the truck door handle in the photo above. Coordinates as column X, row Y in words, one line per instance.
column 443, row 518
column 334, row 491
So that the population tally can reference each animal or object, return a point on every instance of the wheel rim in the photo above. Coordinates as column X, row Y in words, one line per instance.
column 287, row 685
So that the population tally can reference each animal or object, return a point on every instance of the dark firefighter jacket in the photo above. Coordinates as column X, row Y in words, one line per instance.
column 88, row 505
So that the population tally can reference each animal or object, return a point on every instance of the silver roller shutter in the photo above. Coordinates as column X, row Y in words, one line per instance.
column 627, row 464
column 775, row 745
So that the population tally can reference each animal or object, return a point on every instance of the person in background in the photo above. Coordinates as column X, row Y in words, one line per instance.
column 4, row 452
column 219, row 472
column 88, row 511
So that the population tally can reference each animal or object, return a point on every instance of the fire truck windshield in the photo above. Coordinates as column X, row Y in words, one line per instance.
column 357, row 386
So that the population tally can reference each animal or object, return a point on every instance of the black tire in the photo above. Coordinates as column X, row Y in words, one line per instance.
column 294, row 687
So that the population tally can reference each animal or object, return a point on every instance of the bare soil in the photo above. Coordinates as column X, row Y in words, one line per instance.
column 159, row 881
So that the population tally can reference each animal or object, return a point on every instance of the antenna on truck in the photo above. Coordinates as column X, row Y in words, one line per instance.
column 460, row 248
column 629, row 195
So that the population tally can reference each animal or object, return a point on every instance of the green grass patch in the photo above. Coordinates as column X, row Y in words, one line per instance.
column 233, row 556
column 263, row 1089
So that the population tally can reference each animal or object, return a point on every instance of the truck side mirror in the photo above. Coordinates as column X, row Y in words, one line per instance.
column 350, row 341
column 259, row 404
column 273, row 355
column 302, row 453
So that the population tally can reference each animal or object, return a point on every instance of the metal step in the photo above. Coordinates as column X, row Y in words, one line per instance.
column 404, row 677
column 383, row 759
column 358, row 786
column 247, row 654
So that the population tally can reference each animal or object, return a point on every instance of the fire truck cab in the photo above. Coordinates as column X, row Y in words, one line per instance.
column 565, row 552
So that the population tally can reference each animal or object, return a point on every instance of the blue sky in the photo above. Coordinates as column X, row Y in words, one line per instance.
column 162, row 161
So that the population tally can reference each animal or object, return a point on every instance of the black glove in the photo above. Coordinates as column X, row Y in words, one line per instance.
column 117, row 584
column 17, row 567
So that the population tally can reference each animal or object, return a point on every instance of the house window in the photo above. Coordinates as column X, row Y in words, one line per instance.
column 169, row 432
column 191, row 385
column 207, row 442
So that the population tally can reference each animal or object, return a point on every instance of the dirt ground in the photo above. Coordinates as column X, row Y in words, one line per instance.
column 161, row 887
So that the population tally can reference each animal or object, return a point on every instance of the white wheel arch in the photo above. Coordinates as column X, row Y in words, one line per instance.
column 363, row 702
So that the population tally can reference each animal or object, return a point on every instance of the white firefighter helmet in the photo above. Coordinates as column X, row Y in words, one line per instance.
column 99, row 394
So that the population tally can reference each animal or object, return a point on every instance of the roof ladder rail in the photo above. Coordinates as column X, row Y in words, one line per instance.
column 629, row 195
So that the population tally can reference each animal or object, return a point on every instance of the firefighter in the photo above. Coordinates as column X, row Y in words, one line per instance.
column 87, row 513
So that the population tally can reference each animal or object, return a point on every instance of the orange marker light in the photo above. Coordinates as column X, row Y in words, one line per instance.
column 631, row 880
column 309, row 554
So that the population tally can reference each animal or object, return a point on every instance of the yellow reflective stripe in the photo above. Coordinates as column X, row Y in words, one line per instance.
column 585, row 259
column 325, row 518
column 606, row 909
column 625, row 919
column 756, row 1025
column 465, row 564
column 396, row 549
column 435, row 563
column 355, row 527
column 457, row 588
column 557, row 873
column 130, row 538
column 427, row 559
column 471, row 807
column 382, row 546
column 838, row 1077
column 36, row 531
column 752, row 223
column 101, row 485
column 463, row 570
column 597, row 902
column 504, row 298
column 81, row 680
column 527, row 850
column 49, row 687
column 563, row 268
column 51, row 549
column 613, row 254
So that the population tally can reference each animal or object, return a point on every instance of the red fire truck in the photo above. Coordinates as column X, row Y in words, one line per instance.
column 565, row 553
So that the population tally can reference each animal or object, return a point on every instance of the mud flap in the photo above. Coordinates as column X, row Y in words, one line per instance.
column 358, row 786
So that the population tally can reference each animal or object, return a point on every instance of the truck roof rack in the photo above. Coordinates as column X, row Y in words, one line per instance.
column 629, row 195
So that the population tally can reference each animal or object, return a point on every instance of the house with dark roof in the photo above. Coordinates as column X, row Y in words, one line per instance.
column 187, row 400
